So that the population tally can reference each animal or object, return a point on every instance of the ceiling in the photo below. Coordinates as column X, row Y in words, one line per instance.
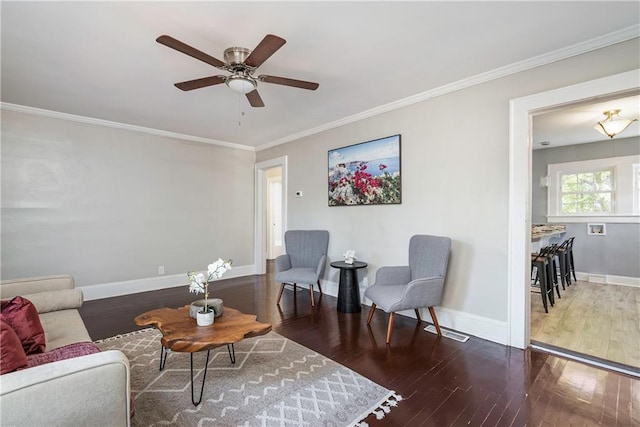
column 574, row 124
column 100, row 59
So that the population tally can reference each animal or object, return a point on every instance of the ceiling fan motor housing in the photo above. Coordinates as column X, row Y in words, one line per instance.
column 236, row 55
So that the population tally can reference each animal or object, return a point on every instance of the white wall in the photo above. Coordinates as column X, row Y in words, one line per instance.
column 110, row 205
column 454, row 183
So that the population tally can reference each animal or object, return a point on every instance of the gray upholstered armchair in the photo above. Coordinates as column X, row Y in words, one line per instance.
column 304, row 260
column 414, row 286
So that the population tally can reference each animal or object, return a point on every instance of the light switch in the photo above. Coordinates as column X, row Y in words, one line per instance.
column 298, row 194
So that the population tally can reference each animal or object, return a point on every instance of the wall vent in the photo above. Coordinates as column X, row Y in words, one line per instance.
column 449, row 334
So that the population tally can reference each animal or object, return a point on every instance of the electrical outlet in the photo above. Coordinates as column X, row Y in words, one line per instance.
column 161, row 270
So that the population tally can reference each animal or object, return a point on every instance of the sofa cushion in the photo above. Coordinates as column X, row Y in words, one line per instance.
column 62, row 353
column 63, row 327
column 12, row 355
column 23, row 317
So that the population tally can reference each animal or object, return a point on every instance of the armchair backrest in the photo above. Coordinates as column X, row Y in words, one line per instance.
column 428, row 256
column 306, row 247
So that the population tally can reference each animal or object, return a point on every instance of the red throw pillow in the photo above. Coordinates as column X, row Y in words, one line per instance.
column 23, row 318
column 12, row 355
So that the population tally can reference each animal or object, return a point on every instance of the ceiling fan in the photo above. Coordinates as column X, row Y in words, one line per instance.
column 241, row 63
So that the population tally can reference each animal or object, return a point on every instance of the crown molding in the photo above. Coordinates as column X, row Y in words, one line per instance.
column 609, row 39
column 619, row 36
column 117, row 125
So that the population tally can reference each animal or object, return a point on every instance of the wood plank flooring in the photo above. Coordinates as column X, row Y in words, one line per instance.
column 594, row 319
column 443, row 382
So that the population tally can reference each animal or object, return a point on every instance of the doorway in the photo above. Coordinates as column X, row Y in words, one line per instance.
column 274, row 212
column 520, row 179
column 270, row 208
column 595, row 315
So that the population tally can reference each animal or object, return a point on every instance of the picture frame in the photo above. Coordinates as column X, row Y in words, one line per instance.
column 367, row 173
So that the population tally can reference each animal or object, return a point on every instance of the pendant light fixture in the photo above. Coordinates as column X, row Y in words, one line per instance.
column 613, row 124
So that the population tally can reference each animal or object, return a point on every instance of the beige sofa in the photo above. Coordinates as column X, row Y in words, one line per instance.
column 86, row 390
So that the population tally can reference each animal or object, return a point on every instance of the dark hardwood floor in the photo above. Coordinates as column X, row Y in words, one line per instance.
column 443, row 382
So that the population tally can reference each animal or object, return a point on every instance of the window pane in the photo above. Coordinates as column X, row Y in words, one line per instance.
column 569, row 183
column 603, row 180
column 587, row 192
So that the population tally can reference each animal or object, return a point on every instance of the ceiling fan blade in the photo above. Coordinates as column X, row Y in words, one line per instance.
column 267, row 47
column 188, row 50
column 254, row 99
column 288, row 82
column 198, row 83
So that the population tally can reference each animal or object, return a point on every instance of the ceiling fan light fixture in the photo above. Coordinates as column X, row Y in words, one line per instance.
column 241, row 84
column 613, row 124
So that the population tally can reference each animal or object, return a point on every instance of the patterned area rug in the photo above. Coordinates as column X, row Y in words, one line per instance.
column 274, row 382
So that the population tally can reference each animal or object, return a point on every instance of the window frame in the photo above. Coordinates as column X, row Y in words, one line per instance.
column 625, row 189
column 580, row 191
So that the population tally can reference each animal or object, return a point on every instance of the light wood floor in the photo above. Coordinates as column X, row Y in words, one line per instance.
column 595, row 319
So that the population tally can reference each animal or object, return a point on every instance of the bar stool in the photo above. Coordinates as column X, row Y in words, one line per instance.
column 541, row 263
column 551, row 252
column 572, row 266
column 562, row 254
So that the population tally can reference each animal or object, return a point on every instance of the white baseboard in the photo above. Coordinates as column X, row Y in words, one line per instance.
column 609, row 279
column 114, row 289
column 481, row 327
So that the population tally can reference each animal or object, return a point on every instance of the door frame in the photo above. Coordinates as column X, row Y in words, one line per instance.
column 260, row 232
column 521, row 111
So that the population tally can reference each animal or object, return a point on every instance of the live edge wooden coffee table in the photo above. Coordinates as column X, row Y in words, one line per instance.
column 181, row 333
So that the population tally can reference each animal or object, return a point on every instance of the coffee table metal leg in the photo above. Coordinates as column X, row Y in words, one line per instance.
column 204, row 377
column 232, row 352
column 164, row 353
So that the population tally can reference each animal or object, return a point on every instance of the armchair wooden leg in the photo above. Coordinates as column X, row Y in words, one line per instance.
column 320, row 287
column 280, row 294
column 371, row 310
column 435, row 320
column 313, row 302
column 390, row 327
column 418, row 315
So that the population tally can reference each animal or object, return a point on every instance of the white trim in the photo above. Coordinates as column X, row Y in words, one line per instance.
column 537, row 61
column 482, row 327
column 520, row 153
column 617, row 219
column 609, row 279
column 260, row 248
column 479, row 326
column 117, row 125
column 622, row 188
column 467, row 323
column 128, row 287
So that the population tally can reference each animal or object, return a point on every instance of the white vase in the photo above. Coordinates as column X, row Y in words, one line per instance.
column 205, row 319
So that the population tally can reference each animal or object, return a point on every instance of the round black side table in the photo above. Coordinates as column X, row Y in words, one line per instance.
column 348, row 290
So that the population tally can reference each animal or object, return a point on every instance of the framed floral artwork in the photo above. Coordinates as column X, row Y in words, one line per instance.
column 367, row 173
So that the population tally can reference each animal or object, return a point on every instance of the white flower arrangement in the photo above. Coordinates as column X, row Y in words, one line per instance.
column 199, row 282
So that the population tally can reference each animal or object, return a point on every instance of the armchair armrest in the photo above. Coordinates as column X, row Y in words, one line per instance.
column 395, row 275
column 86, row 390
column 426, row 292
column 283, row 263
column 321, row 265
